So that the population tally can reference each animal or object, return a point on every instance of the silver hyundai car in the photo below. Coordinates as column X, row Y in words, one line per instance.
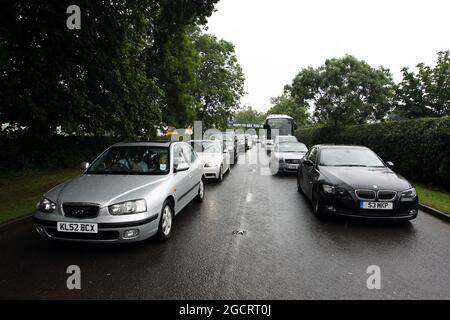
column 131, row 192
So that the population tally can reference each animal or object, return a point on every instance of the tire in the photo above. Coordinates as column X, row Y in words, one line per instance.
column 166, row 221
column 272, row 171
column 299, row 187
column 220, row 178
column 201, row 191
column 317, row 210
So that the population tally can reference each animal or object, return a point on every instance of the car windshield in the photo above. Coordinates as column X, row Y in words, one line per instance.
column 292, row 147
column 132, row 160
column 283, row 125
column 349, row 157
column 206, row 146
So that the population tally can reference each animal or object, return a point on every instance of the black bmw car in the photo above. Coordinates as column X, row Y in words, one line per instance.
column 353, row 181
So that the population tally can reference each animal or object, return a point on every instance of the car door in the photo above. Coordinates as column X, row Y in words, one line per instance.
column 182, row 180
column 194, row 173
column 308, row 173
column 226, row 158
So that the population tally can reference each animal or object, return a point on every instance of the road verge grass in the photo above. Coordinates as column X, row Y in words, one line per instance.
column 21, row 191
column 434, row 197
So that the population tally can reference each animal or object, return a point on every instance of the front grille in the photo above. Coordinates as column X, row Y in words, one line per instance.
column 365, row 194
column 81, row 210
column 292, row 161
column 386, row 195
column 101, row 235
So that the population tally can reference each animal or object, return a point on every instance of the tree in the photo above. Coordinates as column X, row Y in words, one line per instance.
column 345, row 91
column 220, row 81
column 427, row 92
column 95, row 80
column 286, row 104
column 249, row 115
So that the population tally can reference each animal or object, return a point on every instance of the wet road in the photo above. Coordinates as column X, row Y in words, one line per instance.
column 285, row 252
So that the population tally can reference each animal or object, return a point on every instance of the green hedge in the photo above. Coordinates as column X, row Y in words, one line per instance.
column 28, row 153
column 420, row 149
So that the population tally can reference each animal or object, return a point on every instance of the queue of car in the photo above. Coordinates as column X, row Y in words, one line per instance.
column 132, row 191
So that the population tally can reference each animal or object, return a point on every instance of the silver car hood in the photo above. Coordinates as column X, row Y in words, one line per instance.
column 105, row 189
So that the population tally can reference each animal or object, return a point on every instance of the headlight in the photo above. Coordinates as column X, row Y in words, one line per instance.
column 409, row 195
column 211, row 164
column 45, row 205
column 128, row 207
column 329, row 189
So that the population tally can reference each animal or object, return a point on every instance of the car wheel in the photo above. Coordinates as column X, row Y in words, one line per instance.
column 220, row 179
column 272, row 170
column 317, row 210
column 299, row 186
column 201, row 191
column 166, row 221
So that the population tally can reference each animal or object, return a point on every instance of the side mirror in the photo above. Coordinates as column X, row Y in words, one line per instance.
column 308, row 163
column 390, row 164
column 84, row 165
column 183, row 166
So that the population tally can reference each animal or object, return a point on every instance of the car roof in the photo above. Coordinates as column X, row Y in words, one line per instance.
column 281, row 116
column 339, row 146
column 206, row 140
column 144, row 144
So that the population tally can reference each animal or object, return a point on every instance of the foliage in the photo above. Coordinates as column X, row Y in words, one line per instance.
column 419, row 148
column 427, row 92
column 220, row 81
column 286, row 104
column 98, row 79
column 344, row 91
column 249, row 115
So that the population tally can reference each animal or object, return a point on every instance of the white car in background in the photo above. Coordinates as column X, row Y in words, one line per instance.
column 216, row 158
column 286, row 157
column 286, row 138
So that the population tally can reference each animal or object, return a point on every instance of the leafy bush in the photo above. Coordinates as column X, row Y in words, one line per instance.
column 420, row 149
column 27, row 153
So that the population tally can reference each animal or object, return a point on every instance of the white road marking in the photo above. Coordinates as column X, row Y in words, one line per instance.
column 249, row 197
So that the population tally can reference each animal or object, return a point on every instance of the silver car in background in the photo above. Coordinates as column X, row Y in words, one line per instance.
column 287, row 138
column 215, row 156
column 286, row 157
column 131, row 192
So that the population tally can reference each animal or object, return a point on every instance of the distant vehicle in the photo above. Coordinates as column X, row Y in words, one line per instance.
column 255, row 139
column 248, row 141
column 242, row 144
column 353, row 181
column 230, row 141
column 286, row 157
column 131, row 192
column 215, row 156
column 281, row 122
column 279, row 139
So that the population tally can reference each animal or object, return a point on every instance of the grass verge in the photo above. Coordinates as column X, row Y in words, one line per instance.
column 21, row 191
column 433, row 197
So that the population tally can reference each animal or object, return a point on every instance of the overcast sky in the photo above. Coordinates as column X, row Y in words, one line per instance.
column 274, row 39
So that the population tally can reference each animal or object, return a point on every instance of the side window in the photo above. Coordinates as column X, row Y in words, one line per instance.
column 188, row 153
column 178, row 155
column 308, row 154
column 313, row 155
